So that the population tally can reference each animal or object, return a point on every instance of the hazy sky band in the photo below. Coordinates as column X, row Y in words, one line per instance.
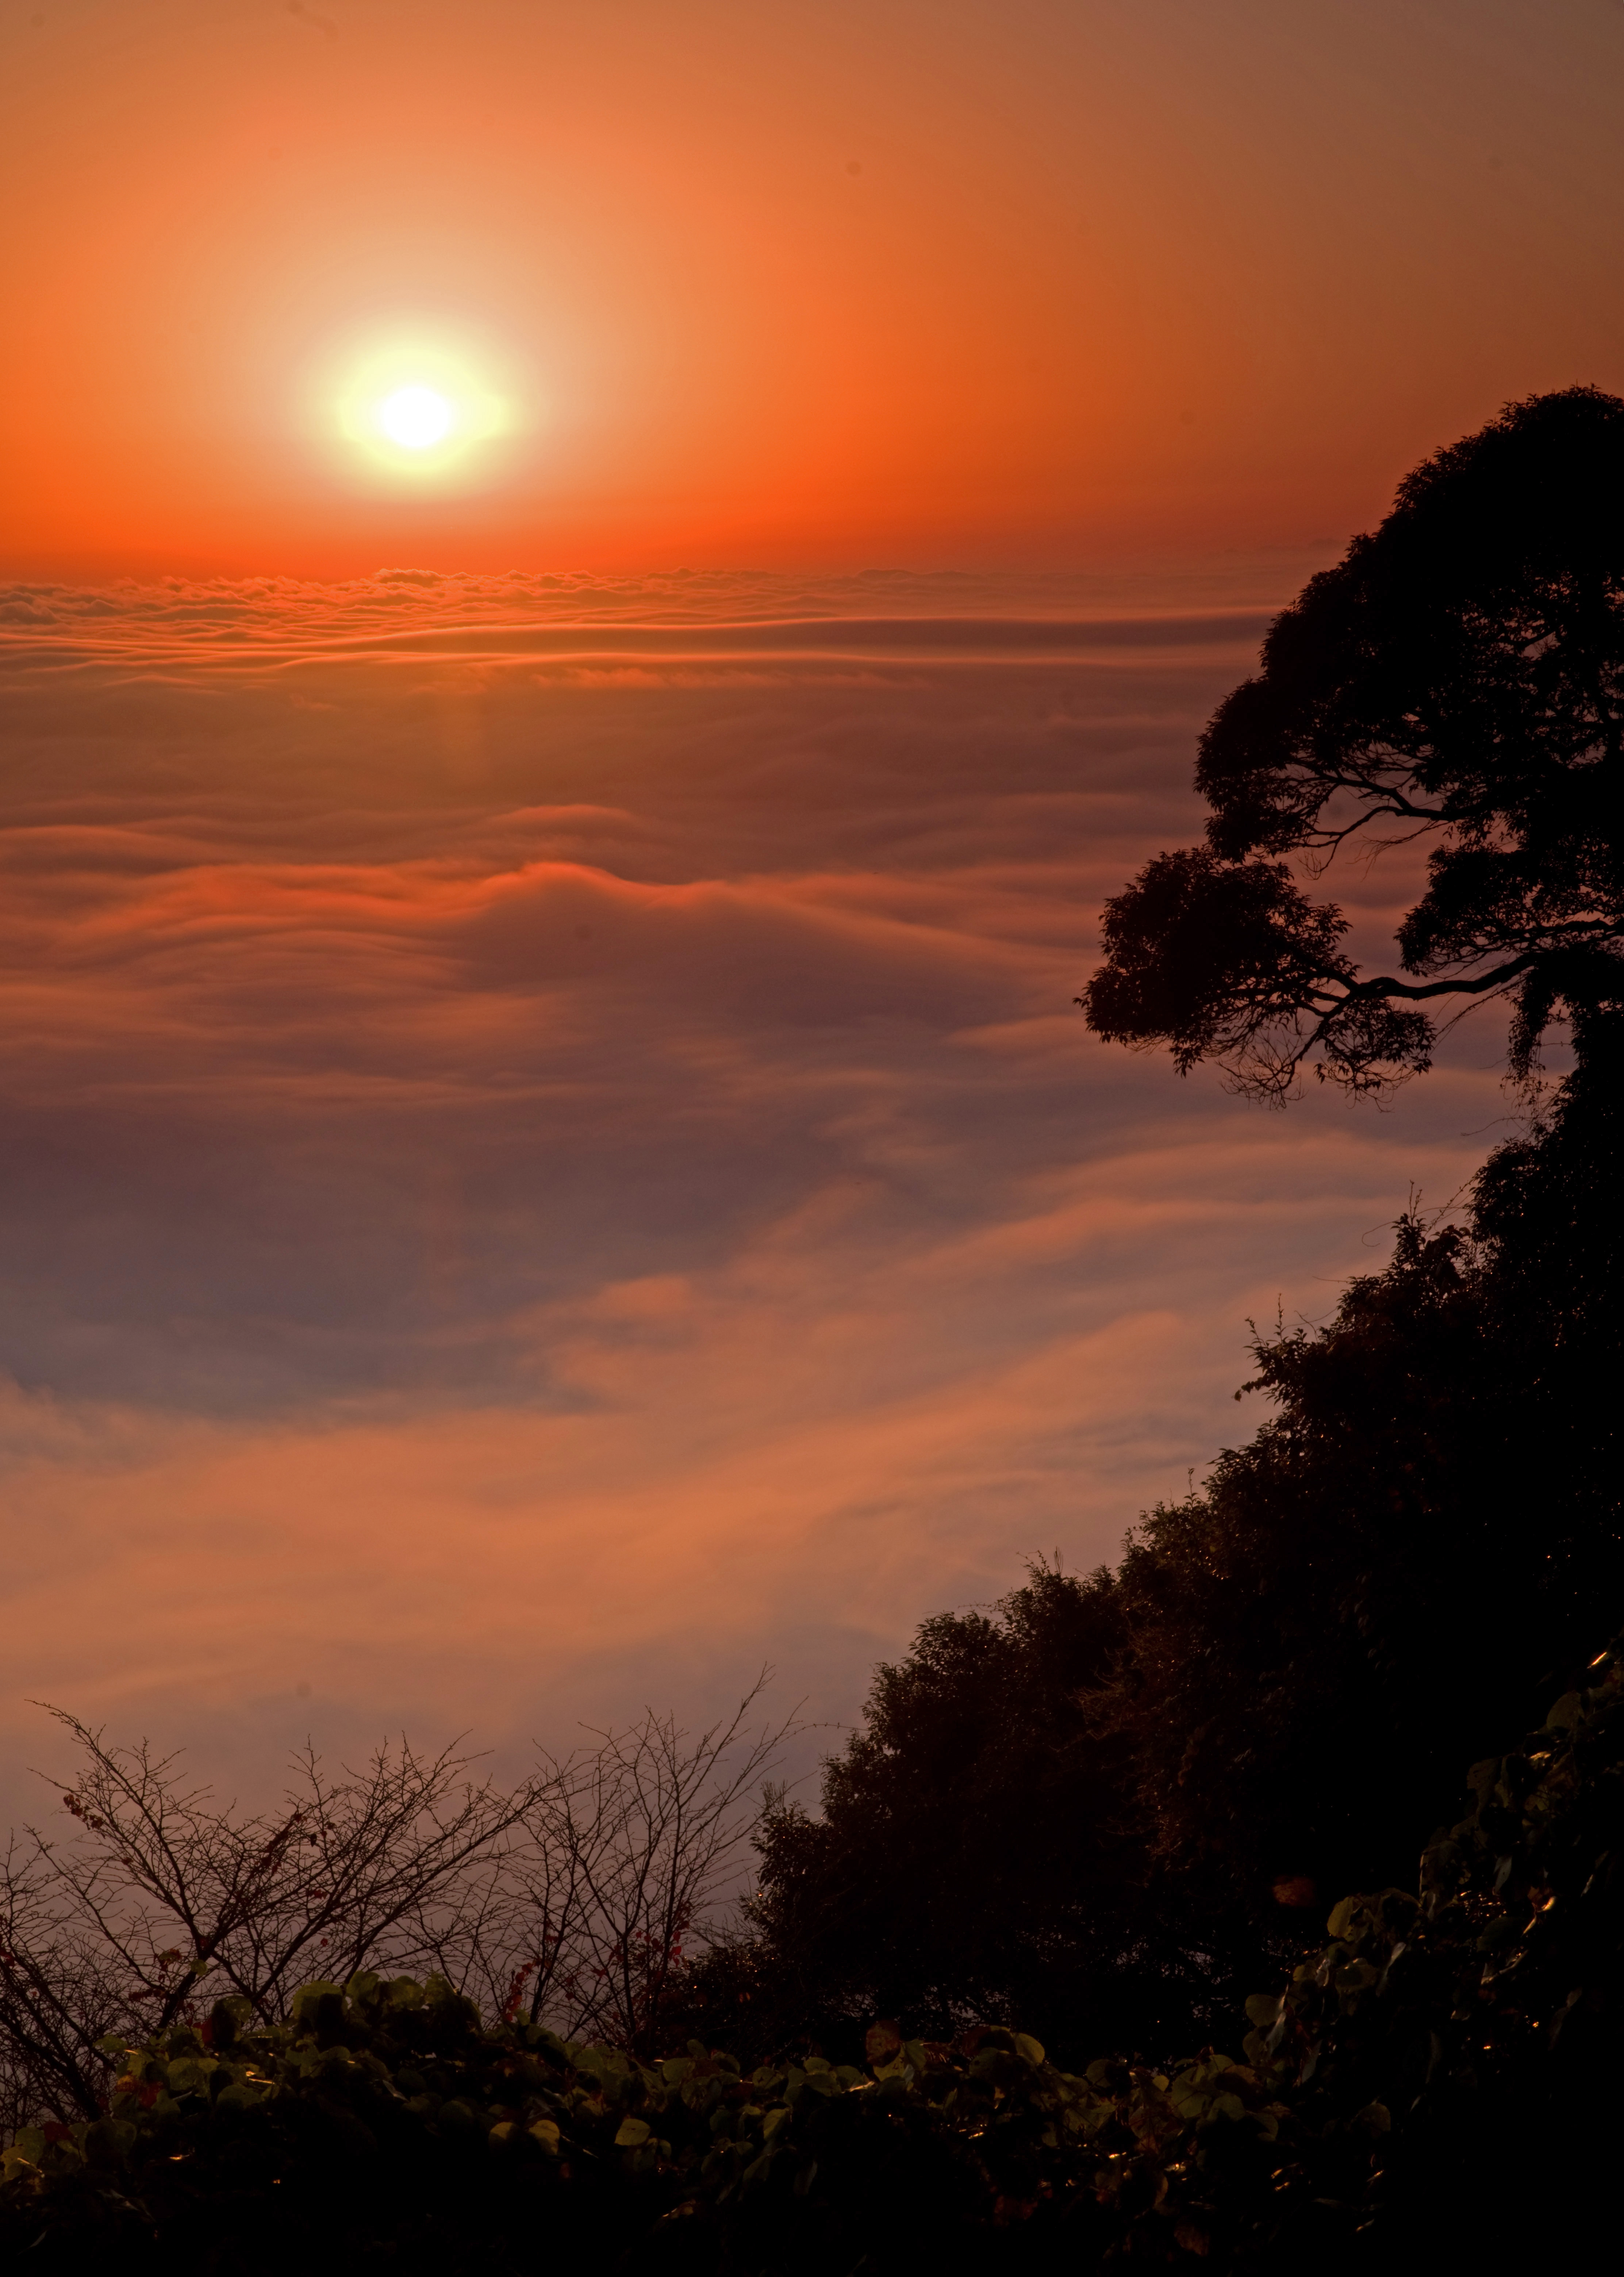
column 830, row 641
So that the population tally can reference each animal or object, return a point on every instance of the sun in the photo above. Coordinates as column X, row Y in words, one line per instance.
column 418, row 405
column 416, row 417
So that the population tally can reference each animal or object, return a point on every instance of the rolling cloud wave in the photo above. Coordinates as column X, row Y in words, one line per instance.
column 495, row 1150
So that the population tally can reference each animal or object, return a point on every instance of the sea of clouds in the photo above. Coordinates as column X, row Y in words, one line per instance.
column 549, row 1154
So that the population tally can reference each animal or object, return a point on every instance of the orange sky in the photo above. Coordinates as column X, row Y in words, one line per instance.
column 787, row 280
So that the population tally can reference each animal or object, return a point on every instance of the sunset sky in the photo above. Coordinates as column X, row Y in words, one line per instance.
column 549, row 1157
column 786, row 280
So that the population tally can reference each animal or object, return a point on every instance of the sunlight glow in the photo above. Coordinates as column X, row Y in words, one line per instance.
column 416, row 417
column 428, row 405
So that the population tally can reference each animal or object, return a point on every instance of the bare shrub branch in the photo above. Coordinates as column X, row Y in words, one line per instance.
column 578, row 1898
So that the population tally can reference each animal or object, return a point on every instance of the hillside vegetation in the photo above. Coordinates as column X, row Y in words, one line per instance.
column 1443, row 2069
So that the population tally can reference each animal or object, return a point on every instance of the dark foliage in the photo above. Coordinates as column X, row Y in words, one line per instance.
column 1346, row 1579
column 384, row 2127
column 1438, row 2082
column 1101, row 1811
column 1469, row 2032
column 1419, row 1537
column 972, row 1859
column 1459, row 677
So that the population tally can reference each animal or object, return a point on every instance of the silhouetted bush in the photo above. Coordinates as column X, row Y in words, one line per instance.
column 579, row 1898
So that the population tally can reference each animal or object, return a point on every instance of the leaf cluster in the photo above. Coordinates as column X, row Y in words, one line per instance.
column 1450, row 2057
column 383, row 2118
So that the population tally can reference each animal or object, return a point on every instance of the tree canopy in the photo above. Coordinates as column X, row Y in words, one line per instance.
column 1457, row 679
column 1099, row 1810
column 975, row 1856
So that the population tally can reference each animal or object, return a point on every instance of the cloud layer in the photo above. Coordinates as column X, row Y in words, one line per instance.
column 548, row 1157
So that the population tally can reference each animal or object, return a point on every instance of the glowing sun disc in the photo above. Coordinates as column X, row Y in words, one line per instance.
column 416, row 417
column 418, row 406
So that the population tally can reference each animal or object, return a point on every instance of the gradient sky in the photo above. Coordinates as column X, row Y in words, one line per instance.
column 548, row 1154
column 788, row 280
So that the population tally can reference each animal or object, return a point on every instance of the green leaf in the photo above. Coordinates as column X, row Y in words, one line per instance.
column 631, row 2133
column 109, row 2140
column 309, row 1998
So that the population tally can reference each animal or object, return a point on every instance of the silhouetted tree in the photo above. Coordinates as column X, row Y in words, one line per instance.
column 1459, row 677
column 157, row 1899
column 1428, row 1528
column 1103, row 1808
column 1099, row 1808
column 975, row 1857
column 627, row 1858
